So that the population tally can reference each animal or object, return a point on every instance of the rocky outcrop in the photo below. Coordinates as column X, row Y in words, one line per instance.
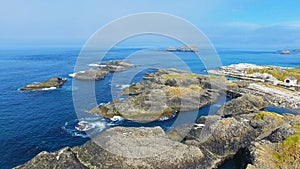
column 246, row 104
column 257, row 137
column 48, row 84
column 64, row 158
column 277, row 153
column 281, row 134
column 218, row 138
column 277, row 96
column 277, row 142
column 185, row 48
column 102, row 69
column 265, row 139
column 163, row 94
column 284, row 52
column 119, row 147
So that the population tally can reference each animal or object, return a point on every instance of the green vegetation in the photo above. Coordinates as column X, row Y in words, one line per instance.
column 278, row 73
column 179, row 76
column 289, row 150
column 293, row 139
column 262, row 114
column 116, row 111
column 183, row 91
column 173, row 135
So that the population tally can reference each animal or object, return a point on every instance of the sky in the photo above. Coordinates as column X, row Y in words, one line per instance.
column 249, row 24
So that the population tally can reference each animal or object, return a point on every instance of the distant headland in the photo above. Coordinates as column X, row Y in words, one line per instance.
column 185, row 48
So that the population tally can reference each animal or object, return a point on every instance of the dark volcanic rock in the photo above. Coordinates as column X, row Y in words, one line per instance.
column 243, row 105
column 281, row 134
column 103, row 69
column 52, row 82
column 128, row 148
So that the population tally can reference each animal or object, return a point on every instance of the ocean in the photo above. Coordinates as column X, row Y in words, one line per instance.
column 35, row 121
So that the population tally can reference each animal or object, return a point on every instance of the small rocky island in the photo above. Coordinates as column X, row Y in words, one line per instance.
column 102, row 69
column 176, row 91
column 241, row 128
column 185, row 48
column 48, row 84
column 288, row 51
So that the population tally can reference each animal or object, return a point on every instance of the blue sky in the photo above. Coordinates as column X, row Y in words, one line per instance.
column 227, row 23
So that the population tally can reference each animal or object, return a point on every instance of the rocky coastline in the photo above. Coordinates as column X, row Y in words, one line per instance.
column 240, row 127
column 273, row 75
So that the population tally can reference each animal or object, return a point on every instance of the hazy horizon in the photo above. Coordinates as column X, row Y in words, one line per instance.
column 231, row 24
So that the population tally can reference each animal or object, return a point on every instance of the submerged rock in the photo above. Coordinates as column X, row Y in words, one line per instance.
column 48, row 84
column 102, row 69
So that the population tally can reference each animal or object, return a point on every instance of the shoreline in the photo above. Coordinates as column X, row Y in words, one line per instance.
column 225, row 122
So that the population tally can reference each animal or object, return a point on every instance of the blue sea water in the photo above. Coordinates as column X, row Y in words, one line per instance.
column 35, row 121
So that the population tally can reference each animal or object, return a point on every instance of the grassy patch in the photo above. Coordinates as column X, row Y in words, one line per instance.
column 288, row 153
column 293, row 139
column 179, row 76
column 183, row 91
column 262, row 114
column 278, row 73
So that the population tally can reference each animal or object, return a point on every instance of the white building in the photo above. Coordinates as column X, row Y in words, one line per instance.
column 291, row 81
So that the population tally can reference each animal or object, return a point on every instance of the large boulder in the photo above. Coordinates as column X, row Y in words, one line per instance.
column 217, row 138
column 245, row 104
column 64, row 158
column 119, row 147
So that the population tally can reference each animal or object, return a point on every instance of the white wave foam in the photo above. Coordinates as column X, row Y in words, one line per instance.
column 92, row 125
column 166, row 118
column 97, row 65
column 122, row 86
column 80, row 135
column 50, row 88
column 72, row 74
column 85, row 125
column 93, row 65
column 116, row 118
column 217, row 105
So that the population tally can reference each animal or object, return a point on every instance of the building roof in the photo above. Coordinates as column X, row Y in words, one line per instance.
column 291, row 78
